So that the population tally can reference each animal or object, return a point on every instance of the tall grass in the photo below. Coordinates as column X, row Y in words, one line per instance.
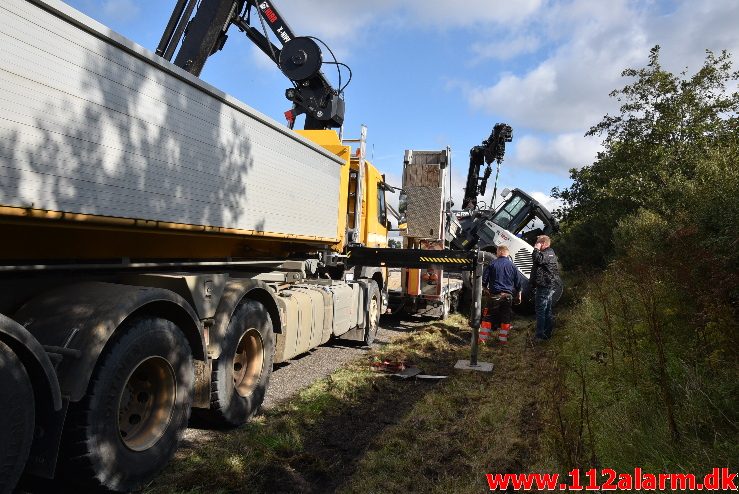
column 647, row 378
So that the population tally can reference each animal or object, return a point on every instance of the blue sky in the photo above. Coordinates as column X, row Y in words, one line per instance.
column 431, row 73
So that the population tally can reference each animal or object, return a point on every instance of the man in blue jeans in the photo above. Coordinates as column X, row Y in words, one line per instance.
column 545, row 279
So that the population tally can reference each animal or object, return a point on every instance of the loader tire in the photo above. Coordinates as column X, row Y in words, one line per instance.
column 130, row 422
column 454, row 305
column 373, row 313
column 465, row 294
column 17, row 424
column 241, row 374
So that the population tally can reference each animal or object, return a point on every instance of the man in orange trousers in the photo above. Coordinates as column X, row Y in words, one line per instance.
column 503, row 281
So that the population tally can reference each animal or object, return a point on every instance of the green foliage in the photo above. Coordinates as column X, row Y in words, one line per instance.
column 617, row 390
column 394, row 243
column 651, row 365
column 654, row 148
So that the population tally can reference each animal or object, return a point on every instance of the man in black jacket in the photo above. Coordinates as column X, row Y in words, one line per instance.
column 545, row 279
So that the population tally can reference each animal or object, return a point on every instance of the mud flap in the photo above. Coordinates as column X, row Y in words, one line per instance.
column 46, row 440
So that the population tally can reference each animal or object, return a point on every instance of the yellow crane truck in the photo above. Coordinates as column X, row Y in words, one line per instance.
column 162, row 244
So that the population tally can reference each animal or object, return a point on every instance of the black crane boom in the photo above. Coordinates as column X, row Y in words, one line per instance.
column 492, row 149
column 299, row 58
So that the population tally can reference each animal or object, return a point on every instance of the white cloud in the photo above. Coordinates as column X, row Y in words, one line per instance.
column 693, row 27
column 553, row 154
column 585, row 48
column 396, row 181
column 568, row 90
column 458, row 183
column 334, row 19
column 471, row 12
column 345, row 23
column 505, row 49
column 548, row 202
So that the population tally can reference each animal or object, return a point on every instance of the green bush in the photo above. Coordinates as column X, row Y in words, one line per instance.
column 650, row 364
column 641, row 384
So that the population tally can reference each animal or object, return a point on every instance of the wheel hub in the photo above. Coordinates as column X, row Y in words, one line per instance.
column 146, row 403
column 247, row 362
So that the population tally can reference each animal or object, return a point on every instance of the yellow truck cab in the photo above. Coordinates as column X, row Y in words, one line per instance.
column 362, row 196
column 359, row 178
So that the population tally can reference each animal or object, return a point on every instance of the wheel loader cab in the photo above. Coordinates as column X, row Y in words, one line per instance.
column 525, row 217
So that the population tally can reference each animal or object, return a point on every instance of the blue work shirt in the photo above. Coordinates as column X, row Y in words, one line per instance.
column 501, row 275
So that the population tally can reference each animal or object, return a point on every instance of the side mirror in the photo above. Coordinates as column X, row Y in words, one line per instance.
column 506, row 192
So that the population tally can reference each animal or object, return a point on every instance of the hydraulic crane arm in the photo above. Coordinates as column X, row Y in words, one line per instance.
column 299, row 58
column 491, row 149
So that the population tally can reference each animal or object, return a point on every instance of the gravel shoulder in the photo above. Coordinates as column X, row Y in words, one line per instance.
column 291, row 377
column 296, row 374
column 299, row 373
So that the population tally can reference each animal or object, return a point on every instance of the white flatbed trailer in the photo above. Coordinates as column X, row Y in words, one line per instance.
column 159, row 251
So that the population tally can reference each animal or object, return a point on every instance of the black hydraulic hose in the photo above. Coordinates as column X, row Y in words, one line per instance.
column 173, row 20
column 184, row 20
column 341, row 89
column 335, row 62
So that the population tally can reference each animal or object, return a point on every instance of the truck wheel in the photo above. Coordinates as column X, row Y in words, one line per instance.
column 16, row 427
column 558, row 289
column 241, row 373
column 373, row 314
column 128, row 425
column 526, row 306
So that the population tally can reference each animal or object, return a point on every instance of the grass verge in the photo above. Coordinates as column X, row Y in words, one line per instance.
column 362, row 431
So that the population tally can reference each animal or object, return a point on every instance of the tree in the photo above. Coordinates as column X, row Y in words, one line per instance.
column 658, row 210
column 667, row 124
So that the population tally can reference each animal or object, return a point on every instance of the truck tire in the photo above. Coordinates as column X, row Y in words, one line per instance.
column 130, row 422
column 241, row 373
column 373, row 313
column 558, row 289
column 16, row 427
column 528, row 305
